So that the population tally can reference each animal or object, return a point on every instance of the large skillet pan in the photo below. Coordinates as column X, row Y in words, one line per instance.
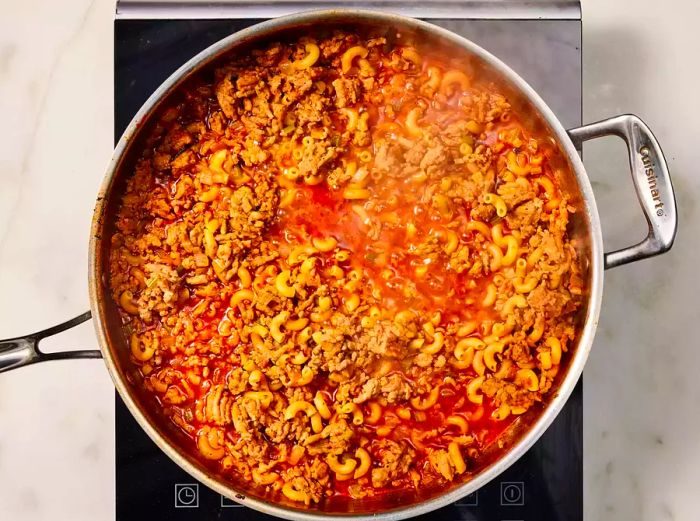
column 651, row 181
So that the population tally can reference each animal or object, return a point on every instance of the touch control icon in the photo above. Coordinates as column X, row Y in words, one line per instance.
column 512, row 493
column 186, row 495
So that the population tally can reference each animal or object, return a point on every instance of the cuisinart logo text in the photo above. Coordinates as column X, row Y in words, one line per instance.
column 651, row 179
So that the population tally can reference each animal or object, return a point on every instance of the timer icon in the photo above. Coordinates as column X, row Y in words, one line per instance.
column 186, row 495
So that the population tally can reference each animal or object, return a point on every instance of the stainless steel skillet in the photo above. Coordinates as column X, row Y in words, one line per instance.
column 651, row 181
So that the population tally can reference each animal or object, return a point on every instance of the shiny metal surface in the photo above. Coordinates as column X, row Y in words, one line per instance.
column 262, row 9
column 20, row 351
column 585, row 230
column 652, row 183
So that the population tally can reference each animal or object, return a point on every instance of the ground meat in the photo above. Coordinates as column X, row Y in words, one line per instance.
column 394, row 388
column 525, row 217
column 415, row 154
column 312, row 109
column 269, row 56
column 502, row 391
column 454, row 134
column 515, row 193
column 334, row 439
column 394, row 461
column 296, row 86
column 311, row 479
column 332, row 46
column 315, row 157
column 441, row 463
column 251, row 211
column 484, row 107
column 225, row 95
column 483, row 212
column 176, row 139
column 369, row 390
column 338, row 177
column 388, row 158
column 551, row 303
column 382, row 339
column 246, row 82
column 434, row 158
column 183, row 160
column 161, row 293
column 347, row 91
column 237, row 380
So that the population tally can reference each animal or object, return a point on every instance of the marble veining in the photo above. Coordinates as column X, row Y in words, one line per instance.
column 641, row 419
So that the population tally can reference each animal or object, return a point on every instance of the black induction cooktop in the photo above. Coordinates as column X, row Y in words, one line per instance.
column 546, row 484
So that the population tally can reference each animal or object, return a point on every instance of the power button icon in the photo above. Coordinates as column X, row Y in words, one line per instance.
column 512, row 493
column 186, row 495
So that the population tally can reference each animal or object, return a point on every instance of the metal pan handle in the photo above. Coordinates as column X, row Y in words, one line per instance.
column 651, row 181
column 21, row 351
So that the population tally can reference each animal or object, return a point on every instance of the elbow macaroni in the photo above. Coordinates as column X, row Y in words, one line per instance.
column 350, row 55
column 312, row 54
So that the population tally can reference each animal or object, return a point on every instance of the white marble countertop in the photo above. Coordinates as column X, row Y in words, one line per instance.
column 641, row 420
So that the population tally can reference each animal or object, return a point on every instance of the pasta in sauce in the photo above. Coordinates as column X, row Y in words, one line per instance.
column 344, row 267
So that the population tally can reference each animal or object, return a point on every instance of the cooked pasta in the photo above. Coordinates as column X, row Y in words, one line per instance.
column 344, row 267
